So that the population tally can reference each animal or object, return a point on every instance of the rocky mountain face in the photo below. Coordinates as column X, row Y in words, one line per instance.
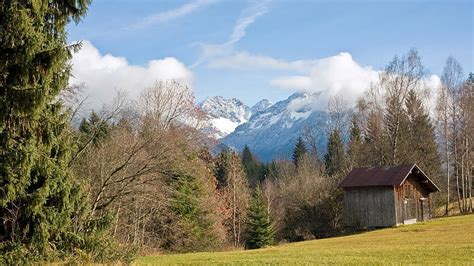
column 270, row 130
column 224, row 114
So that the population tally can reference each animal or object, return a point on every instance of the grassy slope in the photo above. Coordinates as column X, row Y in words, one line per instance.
column 442, row 240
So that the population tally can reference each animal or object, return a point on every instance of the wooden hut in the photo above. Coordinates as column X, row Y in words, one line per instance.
column 387, row 196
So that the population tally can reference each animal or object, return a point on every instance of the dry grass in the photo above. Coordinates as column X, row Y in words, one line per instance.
column 453, row 209
column 444, row 240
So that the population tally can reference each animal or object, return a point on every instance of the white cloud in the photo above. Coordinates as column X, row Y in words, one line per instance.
column 247, row 61
column 210, row 51
column 173, row 13
column 337, row 75
column 249, row 17
column 104, row 74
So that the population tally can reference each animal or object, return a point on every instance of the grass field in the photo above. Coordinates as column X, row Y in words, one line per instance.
column 440, row 241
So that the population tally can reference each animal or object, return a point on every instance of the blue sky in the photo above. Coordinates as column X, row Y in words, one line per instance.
column 268, row 49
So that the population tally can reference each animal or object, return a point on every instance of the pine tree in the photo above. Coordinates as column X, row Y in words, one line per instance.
column 374, row 141
column 40, row 201
column 299, row 153
column 396, row 130
column 197, row 232
column 260, row 231
column 354, row 147
column 421, row 138
column 94, row 128
column 334, row 158
column 253, row 168
column 221, row 168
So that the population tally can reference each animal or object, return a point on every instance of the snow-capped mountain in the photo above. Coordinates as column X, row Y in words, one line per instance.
column 260, row 106
column 272, row 131
column 225, row 114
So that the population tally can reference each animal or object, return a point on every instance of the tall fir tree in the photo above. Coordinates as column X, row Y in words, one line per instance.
column 299, row 152
column 374, row 141
column 94, row 128
column 40, row 202
column 260, row 231
column 221, row 168
column 396, row 129
column 253, row 168
column 334, row 158
column 195, row 221
column 354, row 147
column 421, row 139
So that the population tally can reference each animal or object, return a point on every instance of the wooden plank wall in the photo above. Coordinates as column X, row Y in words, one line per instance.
column 369, row 207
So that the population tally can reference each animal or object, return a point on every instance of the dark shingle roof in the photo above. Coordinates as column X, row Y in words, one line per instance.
column 383, row 176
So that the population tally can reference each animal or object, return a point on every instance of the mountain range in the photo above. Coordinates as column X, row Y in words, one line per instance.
column 270, row 130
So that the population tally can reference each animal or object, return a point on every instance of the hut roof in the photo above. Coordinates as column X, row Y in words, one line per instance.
column 385, row 176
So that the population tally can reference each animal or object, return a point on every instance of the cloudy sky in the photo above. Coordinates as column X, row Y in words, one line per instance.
column 263, row 49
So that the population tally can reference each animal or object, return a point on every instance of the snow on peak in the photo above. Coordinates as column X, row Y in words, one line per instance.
column 260, row 106
column 225, row 114
column 232, row 109
column 272, row 132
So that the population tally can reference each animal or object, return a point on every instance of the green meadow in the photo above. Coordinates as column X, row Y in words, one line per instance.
column 440, row 241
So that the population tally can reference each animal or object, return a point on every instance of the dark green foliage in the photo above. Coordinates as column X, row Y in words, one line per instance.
column 196, row 225
column 255, row 170
column 94, row 128
column 221, row 168
column 423, row 148
column 260, row 231
column 41, row 207
column 354, row 147
column 396, row 123
column 374, row 141
column 334, row 158
column 299, row 153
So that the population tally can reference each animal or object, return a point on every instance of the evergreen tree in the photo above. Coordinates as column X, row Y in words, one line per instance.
column 94, row 128
column 299, row 153
column 221, row 168
column 374, row 141
column 354, row 147
column 40, row 203
column 260, row 231
column 421, row 138
column 197, row 227
column 334, row 158
column 396, row 130
column 253, row 168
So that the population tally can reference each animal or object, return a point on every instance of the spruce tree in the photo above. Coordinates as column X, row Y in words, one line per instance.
column 253, row 168
column 374, row 141
column 40, row 202
column 94, row 128
column 396, row 130
column 260, row 231
column 354, row 147
column 299, row 152
column 421, row 138
column 334, row 158
column 195, row 221
column 221, row 168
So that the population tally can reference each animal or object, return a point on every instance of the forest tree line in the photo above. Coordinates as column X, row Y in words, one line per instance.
column 150, row 166
column 139, row 175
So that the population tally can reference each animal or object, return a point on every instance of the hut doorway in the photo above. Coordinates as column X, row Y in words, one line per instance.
column 409, row 204
column 425, row 209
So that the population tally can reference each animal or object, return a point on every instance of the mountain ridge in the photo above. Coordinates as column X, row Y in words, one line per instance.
column 270, row 130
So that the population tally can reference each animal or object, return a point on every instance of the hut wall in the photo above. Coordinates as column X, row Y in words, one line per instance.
column 369, row 207
column 412, row 191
